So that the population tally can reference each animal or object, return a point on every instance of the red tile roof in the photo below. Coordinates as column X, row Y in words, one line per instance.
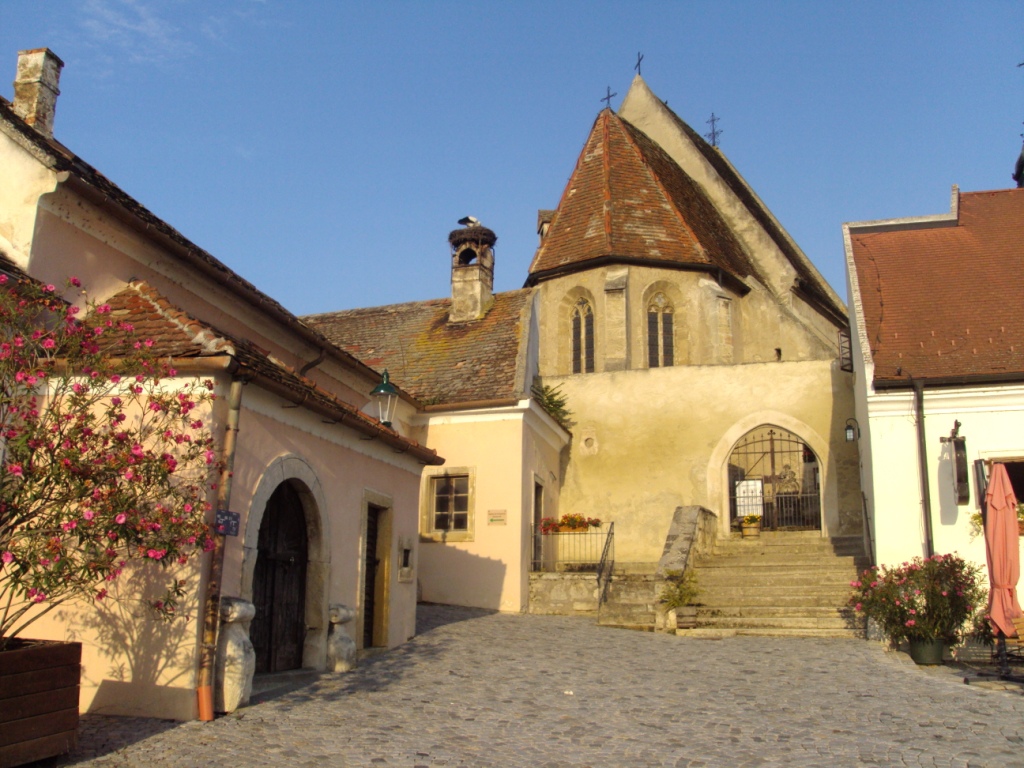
column 946, row 302
column 437, row 362
column 628, row 200
column 176, row 334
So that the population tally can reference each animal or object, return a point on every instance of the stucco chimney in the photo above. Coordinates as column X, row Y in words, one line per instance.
column 35, row 88
column 472, row 271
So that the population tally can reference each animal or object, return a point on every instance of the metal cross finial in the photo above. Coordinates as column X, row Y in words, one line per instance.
column 639, row 58
column 714, row 133
column 608, row 98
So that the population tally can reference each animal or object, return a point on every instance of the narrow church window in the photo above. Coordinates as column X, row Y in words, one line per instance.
column 660, row 337
column 451, row 503
column 582, row 337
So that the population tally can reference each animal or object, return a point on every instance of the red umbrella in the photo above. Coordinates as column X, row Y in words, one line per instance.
column 1002, row 551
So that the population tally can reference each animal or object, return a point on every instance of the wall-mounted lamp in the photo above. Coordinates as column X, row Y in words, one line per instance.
column 387, row 399
column 852, row 430
column 958, row 453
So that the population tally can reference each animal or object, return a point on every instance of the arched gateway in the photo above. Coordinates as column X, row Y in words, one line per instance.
column 279, row 583
column 774, row 474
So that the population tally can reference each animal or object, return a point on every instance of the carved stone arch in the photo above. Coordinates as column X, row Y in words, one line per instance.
column 297, row 472
column 567, row 306
column 718, row 465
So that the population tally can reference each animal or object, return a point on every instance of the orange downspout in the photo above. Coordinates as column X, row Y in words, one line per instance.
column 211, row 612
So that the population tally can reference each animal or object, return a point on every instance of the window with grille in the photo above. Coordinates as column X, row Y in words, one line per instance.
column 451, row 503
column 582, row 337
column 660, row 338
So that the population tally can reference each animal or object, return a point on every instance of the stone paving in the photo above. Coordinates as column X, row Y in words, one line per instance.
column 483, row 689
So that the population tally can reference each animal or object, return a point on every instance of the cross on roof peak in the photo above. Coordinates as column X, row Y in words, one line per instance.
column 608, row 97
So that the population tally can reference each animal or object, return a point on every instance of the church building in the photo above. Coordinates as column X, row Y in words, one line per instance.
column 699, row 352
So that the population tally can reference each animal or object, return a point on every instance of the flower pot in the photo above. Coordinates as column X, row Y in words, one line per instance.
column 686, row 617
column 750, row 530
column 38, row 700
column 927, row 651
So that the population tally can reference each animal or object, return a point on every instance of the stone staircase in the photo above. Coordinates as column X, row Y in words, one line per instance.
column 780, row 583
column 631, row 599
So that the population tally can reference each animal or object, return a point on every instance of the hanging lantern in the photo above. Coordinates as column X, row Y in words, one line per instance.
column 387, row 398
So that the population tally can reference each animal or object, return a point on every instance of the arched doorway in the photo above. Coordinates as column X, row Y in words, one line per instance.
column 774, row 474
column 279, row 583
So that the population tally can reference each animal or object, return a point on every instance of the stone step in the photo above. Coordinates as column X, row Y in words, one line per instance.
column 774, row 611
column 780, row 600
column 722, row 632
column 805, row 581
column 778, row 622
column 781, row 558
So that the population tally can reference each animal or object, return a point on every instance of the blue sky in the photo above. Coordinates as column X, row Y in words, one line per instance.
column 324, row 150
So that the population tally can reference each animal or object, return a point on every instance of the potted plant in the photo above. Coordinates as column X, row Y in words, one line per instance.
column 925, row 602
column 750, row 526
column 101, row 463
column 569, row 523
column 679, row 594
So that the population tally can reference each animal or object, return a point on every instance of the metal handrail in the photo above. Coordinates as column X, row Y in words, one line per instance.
column 606, row 562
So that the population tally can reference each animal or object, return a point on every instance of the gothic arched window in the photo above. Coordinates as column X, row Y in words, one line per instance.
column 582, row 337
column 660, row 344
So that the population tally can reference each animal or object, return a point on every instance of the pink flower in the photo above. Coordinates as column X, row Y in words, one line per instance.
column 210, row 456
column 75, row 282
column 7, row 558
column 102, row 309
column 49, row 344
column 16, row 469
column 156, row 554
column 70, row 525
column 911, row 623
column 120, row 519
column 88, row 514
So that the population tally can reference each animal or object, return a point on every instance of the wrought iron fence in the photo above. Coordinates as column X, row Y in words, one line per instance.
column 589, row 551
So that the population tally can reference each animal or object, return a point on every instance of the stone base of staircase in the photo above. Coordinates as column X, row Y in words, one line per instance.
column 785, row 583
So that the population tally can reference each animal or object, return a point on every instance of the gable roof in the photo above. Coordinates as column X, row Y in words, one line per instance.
column 438, row 362
column 176, row 334
column 941, row 298
column 88, row 181
column 628, row 201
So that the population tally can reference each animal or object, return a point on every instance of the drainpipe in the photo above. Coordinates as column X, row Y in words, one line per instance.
column 211, row 612
column 922, row 459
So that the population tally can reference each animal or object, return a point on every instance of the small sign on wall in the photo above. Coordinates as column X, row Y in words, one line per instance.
column 497, row 517
column 226, row 523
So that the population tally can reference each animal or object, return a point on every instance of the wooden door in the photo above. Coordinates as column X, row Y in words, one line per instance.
column 279, row 584
column 372, row 564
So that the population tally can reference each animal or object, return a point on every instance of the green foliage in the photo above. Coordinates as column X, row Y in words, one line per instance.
column 680, row 589
column 553, row 401
column 925, row 599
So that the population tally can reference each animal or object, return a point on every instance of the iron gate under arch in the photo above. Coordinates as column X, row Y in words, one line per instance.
column 774, row 474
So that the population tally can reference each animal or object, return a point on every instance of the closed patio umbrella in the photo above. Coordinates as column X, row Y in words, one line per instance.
column 1002, row 551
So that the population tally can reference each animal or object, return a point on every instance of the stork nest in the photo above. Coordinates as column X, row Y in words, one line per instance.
column 476, row 235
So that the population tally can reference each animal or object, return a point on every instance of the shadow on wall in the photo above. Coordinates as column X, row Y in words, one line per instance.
column 150, row 658
column 453, row 576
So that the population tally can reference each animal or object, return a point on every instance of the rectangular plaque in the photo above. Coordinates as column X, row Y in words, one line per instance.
column 497, row 517
column 226, row 522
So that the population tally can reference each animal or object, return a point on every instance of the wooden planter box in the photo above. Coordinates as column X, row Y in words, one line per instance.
column 38, row 700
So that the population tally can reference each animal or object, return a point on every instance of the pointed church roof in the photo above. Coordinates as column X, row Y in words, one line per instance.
column 641, row 102
column 627, row 201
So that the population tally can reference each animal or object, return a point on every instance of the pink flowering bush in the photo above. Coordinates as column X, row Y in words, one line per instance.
column 925, row 599
column 101, row 462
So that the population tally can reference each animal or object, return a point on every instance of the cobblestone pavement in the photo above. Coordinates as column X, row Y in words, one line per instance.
column 482, row 689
